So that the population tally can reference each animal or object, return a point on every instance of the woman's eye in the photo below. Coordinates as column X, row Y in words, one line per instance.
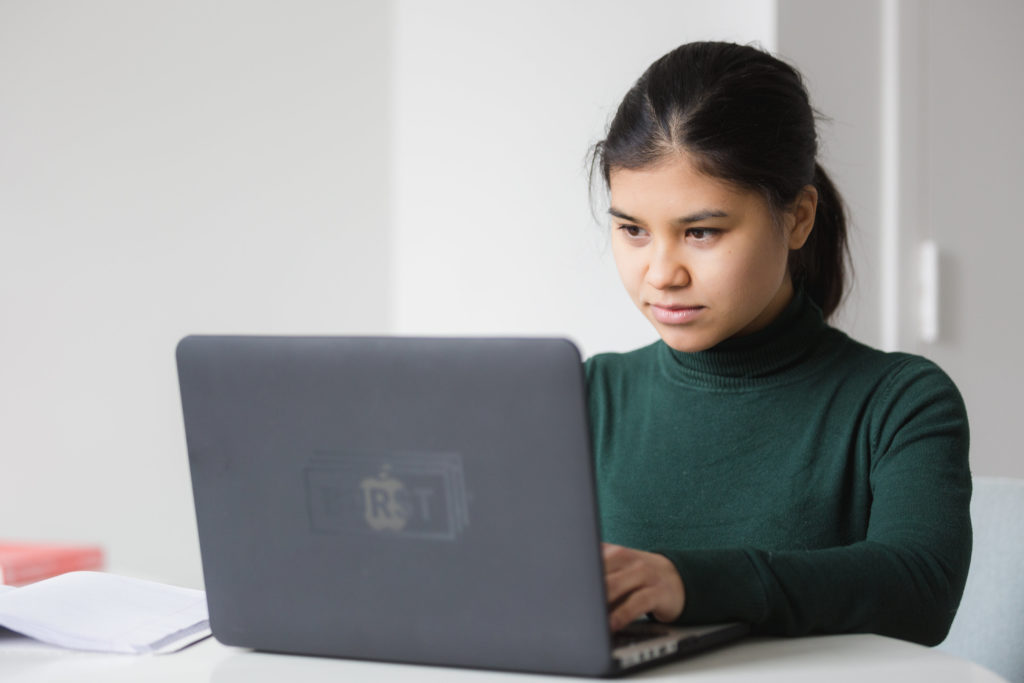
column 632, row 230
column 702, row 234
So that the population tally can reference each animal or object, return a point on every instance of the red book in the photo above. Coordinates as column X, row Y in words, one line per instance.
column 22, row 563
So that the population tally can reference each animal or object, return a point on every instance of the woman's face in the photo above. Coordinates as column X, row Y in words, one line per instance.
column 701, row 258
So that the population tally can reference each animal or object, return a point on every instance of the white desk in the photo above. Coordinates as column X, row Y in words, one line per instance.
column 836, row 659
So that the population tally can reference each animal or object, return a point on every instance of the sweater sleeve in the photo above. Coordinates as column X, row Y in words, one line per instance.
column 906, row 577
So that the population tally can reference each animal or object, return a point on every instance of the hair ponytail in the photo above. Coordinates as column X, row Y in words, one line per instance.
column 745, row 117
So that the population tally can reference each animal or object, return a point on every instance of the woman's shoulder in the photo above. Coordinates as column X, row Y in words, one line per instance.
column 901, row 383
column 895, row 367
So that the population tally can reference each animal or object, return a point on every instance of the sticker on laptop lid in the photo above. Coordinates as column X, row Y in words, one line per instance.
column 405, row 495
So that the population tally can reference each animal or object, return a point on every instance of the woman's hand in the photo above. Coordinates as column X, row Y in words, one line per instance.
column 639, row 582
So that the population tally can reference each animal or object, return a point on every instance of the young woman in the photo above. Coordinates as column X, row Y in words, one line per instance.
column 756, row 464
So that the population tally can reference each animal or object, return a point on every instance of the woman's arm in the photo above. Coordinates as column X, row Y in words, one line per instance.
column 906, row 577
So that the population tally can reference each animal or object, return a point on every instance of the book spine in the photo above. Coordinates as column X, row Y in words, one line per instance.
column 38, row 568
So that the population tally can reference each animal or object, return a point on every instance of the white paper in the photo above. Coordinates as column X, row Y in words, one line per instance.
column 106, row 613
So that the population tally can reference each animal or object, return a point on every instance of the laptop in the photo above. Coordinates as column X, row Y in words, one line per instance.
column 426, row 501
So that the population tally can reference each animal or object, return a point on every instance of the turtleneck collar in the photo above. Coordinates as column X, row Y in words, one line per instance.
column 753, row 359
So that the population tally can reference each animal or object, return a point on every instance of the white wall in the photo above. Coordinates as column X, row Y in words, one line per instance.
column 495, row 107
column 970, row 164
column 166, row 168
column 304, row 167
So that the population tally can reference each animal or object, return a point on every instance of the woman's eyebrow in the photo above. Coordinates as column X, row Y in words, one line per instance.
column 702, row 215
column 692, row 218
column 621, row 214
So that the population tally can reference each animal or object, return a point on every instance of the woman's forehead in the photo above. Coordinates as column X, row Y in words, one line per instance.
column 676, row 185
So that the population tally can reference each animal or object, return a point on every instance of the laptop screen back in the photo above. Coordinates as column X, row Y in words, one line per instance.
column 419, row 500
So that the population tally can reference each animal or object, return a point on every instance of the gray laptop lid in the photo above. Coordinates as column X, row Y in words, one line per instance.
column 419, row 500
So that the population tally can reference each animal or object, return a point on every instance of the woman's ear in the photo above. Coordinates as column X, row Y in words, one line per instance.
column 803, row 211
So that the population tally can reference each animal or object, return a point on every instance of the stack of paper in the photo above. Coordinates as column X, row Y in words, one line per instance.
column 106, row 613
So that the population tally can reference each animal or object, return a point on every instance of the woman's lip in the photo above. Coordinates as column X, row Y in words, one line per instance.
column 675, row 315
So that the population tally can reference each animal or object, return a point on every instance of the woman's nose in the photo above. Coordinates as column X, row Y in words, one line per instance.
column 666, row 270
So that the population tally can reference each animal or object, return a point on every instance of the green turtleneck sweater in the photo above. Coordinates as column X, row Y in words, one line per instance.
column 799, row 480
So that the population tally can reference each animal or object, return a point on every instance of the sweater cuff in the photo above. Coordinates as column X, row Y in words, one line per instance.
column 720, row 586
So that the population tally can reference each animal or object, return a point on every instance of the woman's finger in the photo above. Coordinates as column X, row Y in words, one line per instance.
column 623, row 581
column 637, row 604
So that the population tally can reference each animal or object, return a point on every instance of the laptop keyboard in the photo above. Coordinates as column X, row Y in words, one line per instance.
column 638, row 632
